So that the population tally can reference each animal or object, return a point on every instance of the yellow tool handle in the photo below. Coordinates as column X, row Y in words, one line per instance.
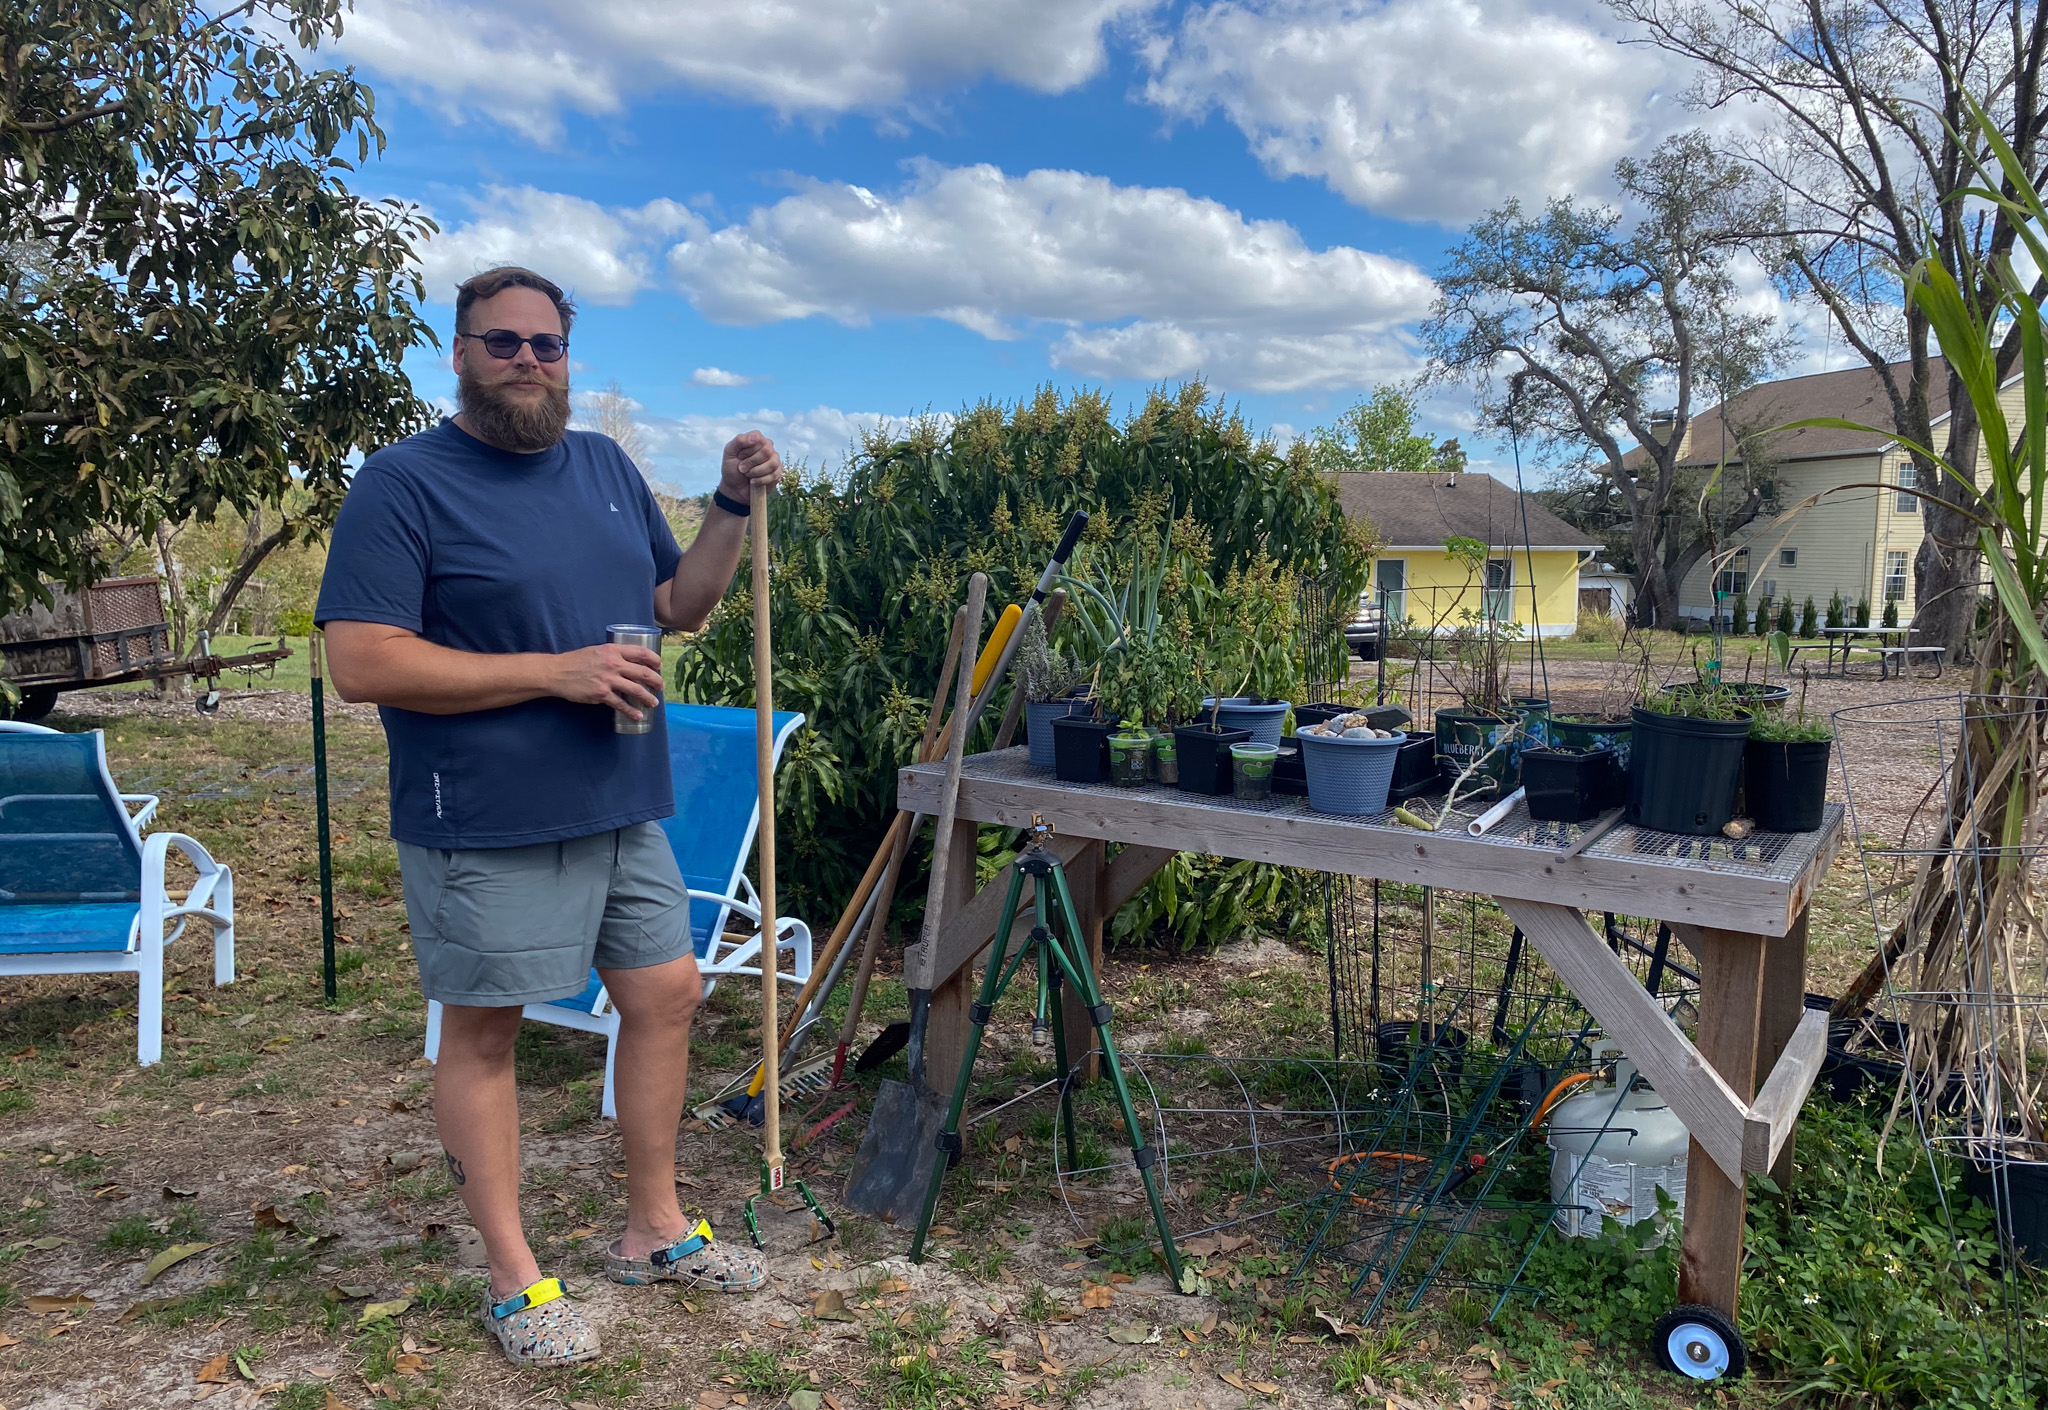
column 990, row 654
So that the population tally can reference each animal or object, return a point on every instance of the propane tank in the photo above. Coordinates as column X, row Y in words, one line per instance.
column 1611, row 1147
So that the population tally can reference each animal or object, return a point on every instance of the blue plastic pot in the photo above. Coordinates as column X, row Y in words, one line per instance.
column 1243, row 712
column 1348, row 776
column 1038, row 718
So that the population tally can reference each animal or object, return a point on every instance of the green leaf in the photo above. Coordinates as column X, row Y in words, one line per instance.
column 170, row 1258
column 2013, row 598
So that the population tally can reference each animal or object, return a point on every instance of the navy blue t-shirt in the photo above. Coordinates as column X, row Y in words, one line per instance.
column 485, row 550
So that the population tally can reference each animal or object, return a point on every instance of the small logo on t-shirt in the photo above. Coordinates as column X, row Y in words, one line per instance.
column 437, row 793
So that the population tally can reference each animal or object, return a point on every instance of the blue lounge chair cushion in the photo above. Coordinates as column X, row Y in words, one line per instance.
column 584, row 1001
column 54, row 930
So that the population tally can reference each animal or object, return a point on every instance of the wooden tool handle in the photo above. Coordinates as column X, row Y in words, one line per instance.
column 764, row 767
column 956, row 750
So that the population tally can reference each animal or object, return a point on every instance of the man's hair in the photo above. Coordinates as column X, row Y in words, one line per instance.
column 508, row 276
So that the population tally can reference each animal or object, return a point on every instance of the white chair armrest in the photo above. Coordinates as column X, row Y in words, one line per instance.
column 156, row 848
column 141, row 816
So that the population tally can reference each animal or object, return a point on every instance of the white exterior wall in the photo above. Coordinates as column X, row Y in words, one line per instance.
column 1833, row 541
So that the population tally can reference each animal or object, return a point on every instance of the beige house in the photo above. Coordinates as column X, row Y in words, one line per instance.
column 1859, row 542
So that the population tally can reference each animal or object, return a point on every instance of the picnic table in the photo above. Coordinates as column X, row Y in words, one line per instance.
column 1843, row 640
column 1740, row 906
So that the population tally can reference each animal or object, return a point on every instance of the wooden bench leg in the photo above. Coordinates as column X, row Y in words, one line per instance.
column 1784, row 1004
column 1731, row 1011
column 945, row 1041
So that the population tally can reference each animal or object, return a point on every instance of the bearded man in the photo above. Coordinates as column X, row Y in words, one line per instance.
column 473, row 573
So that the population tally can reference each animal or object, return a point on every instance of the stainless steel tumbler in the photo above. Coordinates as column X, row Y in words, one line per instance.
column 631, row 634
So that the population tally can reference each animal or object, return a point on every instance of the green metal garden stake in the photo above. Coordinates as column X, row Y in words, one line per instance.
column 320, row 824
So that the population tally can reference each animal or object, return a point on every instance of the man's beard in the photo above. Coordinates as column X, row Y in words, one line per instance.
column 515, row 423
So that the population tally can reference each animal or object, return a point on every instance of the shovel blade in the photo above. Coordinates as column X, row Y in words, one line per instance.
column 893, row 1168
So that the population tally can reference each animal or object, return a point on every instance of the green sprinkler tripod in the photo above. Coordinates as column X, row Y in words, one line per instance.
column 1062, row 959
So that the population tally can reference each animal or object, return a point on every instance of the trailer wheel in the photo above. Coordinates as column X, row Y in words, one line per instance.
column 1700, row 1343
column 35, row 703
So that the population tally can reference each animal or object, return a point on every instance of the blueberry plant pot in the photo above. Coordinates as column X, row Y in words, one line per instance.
column 1081, row 748
column 1465, row 735
column 1568, row 787
column 1038, row 718
column 1349, row 777
column 1785, row 783
column 1205, row 757
column 1594, row 732
column 1682, row 772
column 1535, row 712
column 1264, row 718
column 1415, row 767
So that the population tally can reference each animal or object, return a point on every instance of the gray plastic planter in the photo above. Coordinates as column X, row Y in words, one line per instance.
column 1348, row 776
column 1263, row 720
column 1038, row 718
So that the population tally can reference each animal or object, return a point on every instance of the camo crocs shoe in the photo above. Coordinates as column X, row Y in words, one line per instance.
column 694, row 1261
column 537, row 1327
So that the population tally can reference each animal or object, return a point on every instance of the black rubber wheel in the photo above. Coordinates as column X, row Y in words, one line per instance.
column 35, row 704
column 1699, row 1343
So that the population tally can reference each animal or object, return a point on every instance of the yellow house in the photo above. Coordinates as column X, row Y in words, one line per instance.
column 1520, row 561
column 1860, row 542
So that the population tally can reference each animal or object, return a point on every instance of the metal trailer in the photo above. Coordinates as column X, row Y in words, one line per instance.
column 113, row 632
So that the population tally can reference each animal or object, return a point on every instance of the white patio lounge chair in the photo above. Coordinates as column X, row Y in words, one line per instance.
column 81, row 889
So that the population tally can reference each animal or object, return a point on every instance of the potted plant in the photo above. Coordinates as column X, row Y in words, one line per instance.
column 1685, row 759
column 1049, row 680
column 1255, row 634
column 1785, row 769
column 1349, row 765
column 1130, row 755
column 1080, row 743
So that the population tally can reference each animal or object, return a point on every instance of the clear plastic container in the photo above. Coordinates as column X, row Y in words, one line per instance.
column 1130, row 758
column 1252, row 764
column 1166, row 759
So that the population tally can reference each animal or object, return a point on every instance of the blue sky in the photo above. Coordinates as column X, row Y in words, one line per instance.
column 808, row 215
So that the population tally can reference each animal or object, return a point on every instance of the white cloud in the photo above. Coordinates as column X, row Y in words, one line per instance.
column 719, row 377
column 1200, row 286
column 521, row 61
column 1421, row 109
column 599, row 254
column 685, row 449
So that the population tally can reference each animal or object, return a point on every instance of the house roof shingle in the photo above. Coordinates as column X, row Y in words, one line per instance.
column 1854, row 394
column 1412, row 509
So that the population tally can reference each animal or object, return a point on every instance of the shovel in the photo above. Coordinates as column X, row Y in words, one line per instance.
column 893, row 1166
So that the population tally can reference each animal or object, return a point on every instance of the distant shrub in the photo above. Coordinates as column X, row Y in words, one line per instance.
column 1598, row 627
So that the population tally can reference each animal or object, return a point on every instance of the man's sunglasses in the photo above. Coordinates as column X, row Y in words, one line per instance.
column 504, row 344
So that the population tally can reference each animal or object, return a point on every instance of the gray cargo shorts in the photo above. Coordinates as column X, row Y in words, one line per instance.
column 496, row 926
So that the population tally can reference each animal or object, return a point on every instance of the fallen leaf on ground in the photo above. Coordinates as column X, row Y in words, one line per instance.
column 805, row 1400
column 1231, row 1378
column 110, row 1192
column 402, row 1161
column 349, row 1292
column 1208, row 1324
column 335, row 1402
column 168, row 1259
column 713, row 1399
column 268, row 1218
column 6, row 1340
column 1134, row 1336
column 582, row 1231
column 889, row 1286
column 410, row 1363
column 43, row 1304
column 1338, row 1326
column 377, row 1310
column 1070, row 1267
column 1097, row 1296
column 830, row 1306
column 215, row 1372
column 179, row 1192
column 48, row 1243
column 1265, row 1388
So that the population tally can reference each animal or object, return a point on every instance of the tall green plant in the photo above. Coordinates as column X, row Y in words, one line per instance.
column 871, row 563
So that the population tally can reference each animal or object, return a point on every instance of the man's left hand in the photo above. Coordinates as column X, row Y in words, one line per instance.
column 750, row 459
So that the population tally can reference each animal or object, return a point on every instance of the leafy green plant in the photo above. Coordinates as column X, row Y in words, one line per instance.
column 871, row 564
column 1044, row 673
column 1837, row 611
column 1786, row 624
column 1862, row 611
column 1765, row 614
column 1891, row 612
column 1780, row 727
column 1738, row 618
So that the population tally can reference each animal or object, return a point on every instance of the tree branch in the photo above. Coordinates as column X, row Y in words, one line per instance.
column 71, row 120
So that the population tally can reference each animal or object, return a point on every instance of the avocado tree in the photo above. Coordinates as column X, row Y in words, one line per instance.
column 196, row 312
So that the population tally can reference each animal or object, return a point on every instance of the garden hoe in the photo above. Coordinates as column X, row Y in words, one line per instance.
column 893, row 1166
column 764, row 769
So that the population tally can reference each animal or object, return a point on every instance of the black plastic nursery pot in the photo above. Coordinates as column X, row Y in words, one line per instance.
column 1785, row 783
column 1465, row 735
column 1682, row 772
column 1568, row 787
column 1415, row 768
column 1080, row 745
column 1396, row 1042
column 1316, row 712
column 1290, row 771
column 2017, row 1191
column 1205, row 757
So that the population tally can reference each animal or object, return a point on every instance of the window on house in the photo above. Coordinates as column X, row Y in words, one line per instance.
column 1768, row 587
column 1895, row 575
column 1391, row 577
column 1731, row 582
column 1499, row 605
column 1909, row 475
column 1788, row 558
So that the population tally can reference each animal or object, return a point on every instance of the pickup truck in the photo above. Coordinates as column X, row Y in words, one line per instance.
column 1362, row 632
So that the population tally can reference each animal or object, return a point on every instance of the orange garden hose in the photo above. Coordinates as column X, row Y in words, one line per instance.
column 1341, row 1163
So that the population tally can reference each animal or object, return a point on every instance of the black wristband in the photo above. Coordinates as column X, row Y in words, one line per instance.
column 730, row 505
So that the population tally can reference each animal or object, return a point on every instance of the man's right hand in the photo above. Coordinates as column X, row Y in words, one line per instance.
column 626, row 678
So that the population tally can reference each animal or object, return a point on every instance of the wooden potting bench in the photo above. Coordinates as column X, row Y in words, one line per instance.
column 1739, row 906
